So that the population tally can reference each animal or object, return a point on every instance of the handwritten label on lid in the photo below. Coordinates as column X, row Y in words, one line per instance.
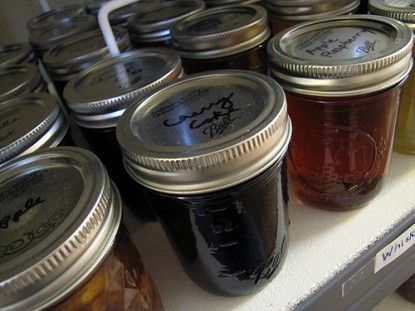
column 33, row 205
column 339, row 43
column 395, row 249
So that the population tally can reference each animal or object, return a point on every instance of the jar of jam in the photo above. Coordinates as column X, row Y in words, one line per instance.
column 63, row 245
column 227, row 37
column 405, row 128
column 29, row 123
column 151, row 27
column 54, row 16
column 99, row 95
column 77, row 53
column 284, row 14
column 16, row 80
column 120, row 16
column 211, row 3
column 46, row 38
column 209, row 149
column 16, row 53
column 343, row 79
column 407, row 289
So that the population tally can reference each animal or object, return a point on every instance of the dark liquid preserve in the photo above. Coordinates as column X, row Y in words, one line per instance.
column 340, row 148
column 103, row 143
column 240, row 233
column 254, row 60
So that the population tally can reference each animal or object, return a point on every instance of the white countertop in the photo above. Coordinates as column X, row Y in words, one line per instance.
column 321, row 244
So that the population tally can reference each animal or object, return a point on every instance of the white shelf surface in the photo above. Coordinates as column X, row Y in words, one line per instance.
column 322, row 244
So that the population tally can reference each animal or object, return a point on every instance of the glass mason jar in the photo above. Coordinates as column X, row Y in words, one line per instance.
column 15, row 54
column 16, row 80
column 45, row 38
column 71, row 56
column 227, row 37
column 151, row 27
column 63, row 245
column 407, row 289
column 209, row 149
column 120, row 16
column 284, row 14
column 99, row 95
column 54, row 16
column 405, row 128
column 31, row 122
column 343, row 79
column 212, row 3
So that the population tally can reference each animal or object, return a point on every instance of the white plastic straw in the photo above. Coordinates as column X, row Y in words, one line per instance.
column 105, row 26
column 45, row 5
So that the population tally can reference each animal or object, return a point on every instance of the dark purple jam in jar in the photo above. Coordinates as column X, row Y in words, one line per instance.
column 227, row 37
column 210, row 151
column 99, row 95
column 151, row 27
column 29, row 123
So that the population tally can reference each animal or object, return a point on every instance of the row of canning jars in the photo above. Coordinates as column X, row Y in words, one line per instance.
column 199, row 147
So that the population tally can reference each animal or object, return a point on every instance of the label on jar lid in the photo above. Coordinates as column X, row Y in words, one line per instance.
column 33, row 205
column 59, row 216
column 206, row 132
column 340, row 43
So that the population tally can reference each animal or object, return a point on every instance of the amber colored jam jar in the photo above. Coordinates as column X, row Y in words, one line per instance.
column 343, row 79
column 16, row 80
column 78, row 53
column 284, row 14
column 45, row 38
column 151, row 27
column 15, row 54
column 54, row 16
column 209, row 149
column 63, row 245
column 405, row 128
column 29, row 123
column 227, row 37
column 407, row 289
column 99, row 95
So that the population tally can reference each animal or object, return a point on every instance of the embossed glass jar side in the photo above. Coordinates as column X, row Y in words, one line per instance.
column 61, row 222
column 340, row 150
column 405, row 129
column 210, row 150
column 227, row 37
column 343, row 77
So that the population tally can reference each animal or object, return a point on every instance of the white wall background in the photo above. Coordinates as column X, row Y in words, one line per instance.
column 14, row 15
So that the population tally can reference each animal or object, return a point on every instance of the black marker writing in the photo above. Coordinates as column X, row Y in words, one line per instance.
column 15, row 217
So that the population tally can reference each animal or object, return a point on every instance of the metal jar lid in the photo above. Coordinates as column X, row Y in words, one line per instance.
column 47, row 37
column 210, row 3
column 220, row 31
column 341, row 56
column 54, row 16
column 16, row 53
column 73, row 55
column 99, row 95
column 16, row 80
column 397, row 9
column 28, row 123
column 153, row 24
column 59, row 218
column 205, row 132
column 302, row 10
column 120, row 16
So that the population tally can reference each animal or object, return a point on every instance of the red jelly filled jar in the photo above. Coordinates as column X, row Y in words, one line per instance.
column 343, row 79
